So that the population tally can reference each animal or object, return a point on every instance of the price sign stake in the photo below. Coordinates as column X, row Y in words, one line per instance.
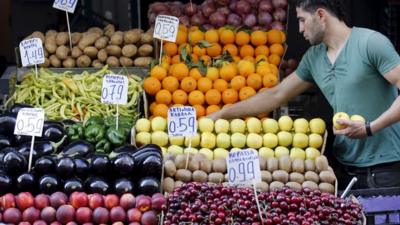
column 30, row 123
column 31, row 51
column 166, row 28
column 243, row 167
column 67, row 6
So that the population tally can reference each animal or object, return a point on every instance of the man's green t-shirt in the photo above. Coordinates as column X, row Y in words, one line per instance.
column 355, row 84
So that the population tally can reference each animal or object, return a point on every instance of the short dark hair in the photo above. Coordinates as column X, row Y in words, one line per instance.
column 335, row 7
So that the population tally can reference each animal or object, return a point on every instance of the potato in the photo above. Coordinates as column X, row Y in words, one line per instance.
column 272, row 164
column 97, row 64
column 50, row 45
column 117, row 39
column 102, row 55
column 113, row 50
column 276, row 185
column 169, row 156
column 178, row 183
column 309, row 165
column 293, row 185
column 91, row 52
column 169, row 168
column 38, row 34
column 219, row 165
column 88, row 40
column 46, row 53
column 280, row 175
column 216, row 178
column 76, row 52
column 54, row 61
column 145, row 50
column 226, row 177
column 311, row 176
column 327, row 177
column 129, row 50
column 310, row 184
column 101, row 42
column 138, row 30
column 183, row 175
column 146, row 38
column 62, row 38
column 109, row 30
column 69, row 62
column 83, row 61
column 266, row 176
column 261, row 186
column 142, row 61
column 194, row 165
column 180, row 161
column 199, row 157
column 75, row 37
column 298, row 165
column 199, row 176
column 95, row 30
column 321, row 163
column 296, row 177
column 328, row 188
column 46, row 63
column 125, row 61
column 62, row 52
column 131, row 37
column 285, row 163
column 263, row 163
column 112, row 61
column 51, row 33
column 168, row 184
column 206, row 165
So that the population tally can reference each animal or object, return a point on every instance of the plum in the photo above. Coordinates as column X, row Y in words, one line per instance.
column 65, row 214
column 48, row 214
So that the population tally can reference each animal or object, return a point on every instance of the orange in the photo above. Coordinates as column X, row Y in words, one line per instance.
column 274, row 69
column 261, row 58
column 206, row 59
column 242, row 38
column 199, row 51
column 212, row 73
column 163, row 97
column 246, row 50
column 238, row 82
column 152, row 105
column 160, row 110
column 246, row 68
column 226, row 105
column 181, row 37
column 213, row 97
column 263, row 89
column 185, row 45
column 200, row 110
column 179, row 97
column 176, row 59
column 255, row 81
column 228, row 71
column 195, row 58
column 262, row 50
column 193, row 28
column 283, row 36
column 230, row 96
column 195, row 36
column 249, row 58
column 170, row 83
column 263, row 69
column 246, row 92
column 220, row 85
column 165, row 65
column 170, row 48
column 258, row 38
column 180, row 71
column 195, row 73
column 236, row 59
column 212, row 108
column 215, row 50
column 151, row 85
column 227, row 36
column 158, row 72
column 196, row 98
column 166, row 59
column 211, row 36
column 204, row 84
column 274, row 37
column 274, row 59
column 231, row 49
column 270, row 80
column 277, row 49
column 188, row 84
column 183, row 28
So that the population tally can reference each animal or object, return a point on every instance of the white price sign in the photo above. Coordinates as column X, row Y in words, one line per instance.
column 66, row 5
column 166, row 28
column 182, row 121
column 29, row 122
column 31, row 51
column 243, row 167
column 115, row 89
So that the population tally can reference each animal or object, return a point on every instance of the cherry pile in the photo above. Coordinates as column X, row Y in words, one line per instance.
column 200, row 203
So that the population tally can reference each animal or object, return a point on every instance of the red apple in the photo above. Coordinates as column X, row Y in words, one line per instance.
column 134, row 215
column 158, row 201
column 42, row 201
column 48, row 214
column 117, row 214
column 24, row 200
column 58, row 199
column 39, row 222
column 96, row 201
column 127, row 201
column 31, row 214
column 65, row 214
column 8, row 201
column 100, row 215
column 149, row 218
column 78, row 199
column 143, row 203
column 12, row 215
column 110, row 201
column 83, row 215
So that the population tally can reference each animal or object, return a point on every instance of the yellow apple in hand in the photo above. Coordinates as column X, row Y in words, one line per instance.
column 342, row 116
column 357, row 118
column 317, row 125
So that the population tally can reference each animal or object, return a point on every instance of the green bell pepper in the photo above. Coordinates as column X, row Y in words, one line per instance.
column 94, row 133
column 75, row 132
column 94, row 120
column 122, row 121
column 116, row 137
column 103, row 146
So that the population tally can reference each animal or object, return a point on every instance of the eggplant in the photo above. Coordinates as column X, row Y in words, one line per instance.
column 49, row 184
column 14, row 162
column 53, row 131
column 7, row 124
column 5, row 141
column 20, row 139
column 149, row 186
column 78, row 148
column 122, row 186
column 151, row 166
column 100, row 164
column 65, row 167
column 26, row 182
column 96, row 185
column 72, row 185
column 44, row 165
column 5, row 183
column 122, row 149
column 18, row 106
column 81, row 167
column 68, row 122
column 123, row 164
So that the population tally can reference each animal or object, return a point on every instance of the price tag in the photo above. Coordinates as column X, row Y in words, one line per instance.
column 182, row 121
column 29, row 122
column 243, row 167
column 31, row 51
column 115, row 89
column 66, row 5
column 166, row 28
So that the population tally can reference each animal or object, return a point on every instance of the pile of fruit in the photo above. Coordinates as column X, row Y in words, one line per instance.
column 97, row 47
column 80, row 208
column 214, row 204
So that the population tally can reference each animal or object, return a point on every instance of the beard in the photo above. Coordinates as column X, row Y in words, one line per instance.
column 317, row 34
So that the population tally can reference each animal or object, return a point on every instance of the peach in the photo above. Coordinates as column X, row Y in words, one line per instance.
column 31, row 214
column 143, row 203
column 83, row 215
column 127, row 201
column 8, row 201
column 58, row 199
column 111, row 201
column 134, row 215
column 48, row 214
column 12, row 215
column 65, row 214
column 96, row 201
column 149, row 218
column 24, row 200
column 42, row 201
column 78, row 199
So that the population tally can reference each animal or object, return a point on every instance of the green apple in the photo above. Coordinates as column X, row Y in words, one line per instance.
column 284, row 138
column 238, row 140
column 194, row 139
column 297, row 153
column 270, row 140
column 300, row 140
column 315, row 140
column 223, row 140
column 207, row 140
column 270, row 126
column 312, row 153
column 317, row 125
column 254, row 141
column 177, row 140
column 253, row 125
column 238, row 126
column 285, row 123
column 190, row 150
column 357, row 118
column 266, row 152
column 342, row 116
column 143, row 125
column 281, row 151
column 159, row 138
column 174, row 149
column 300, row 125
column 158, row 124
column 207, row 152
column 143, row 138
column 221, row 126
column 206, row 124
column 220, row 153
column 235, row 149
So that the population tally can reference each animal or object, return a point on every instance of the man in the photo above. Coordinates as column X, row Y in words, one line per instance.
column 358, row 71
